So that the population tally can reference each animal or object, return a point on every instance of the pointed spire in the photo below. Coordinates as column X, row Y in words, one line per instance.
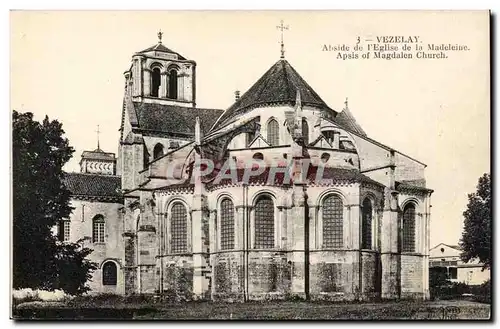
column 197, row 132
column 346, row 103
column 298, row 106
column 298, row 99
column 160, row 35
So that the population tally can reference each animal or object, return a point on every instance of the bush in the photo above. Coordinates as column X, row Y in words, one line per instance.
column 483, row 293
column 29, row 295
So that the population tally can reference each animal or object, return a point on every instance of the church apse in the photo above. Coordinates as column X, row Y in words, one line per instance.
column 277, row 197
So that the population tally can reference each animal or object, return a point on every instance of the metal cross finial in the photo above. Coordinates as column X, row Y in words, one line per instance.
column 346, row 102
column 98, row 132
column 282, row 28
column 160, row 34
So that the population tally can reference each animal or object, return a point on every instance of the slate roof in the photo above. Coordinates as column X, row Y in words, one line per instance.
column 98, row 154
column 174, row 119
column 278, row 85
column 346, row 120
column 333, row 174
column 404, row 186
column 93, row 185
column 162, row 48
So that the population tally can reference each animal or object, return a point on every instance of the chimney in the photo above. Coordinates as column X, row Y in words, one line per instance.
column 236, row 95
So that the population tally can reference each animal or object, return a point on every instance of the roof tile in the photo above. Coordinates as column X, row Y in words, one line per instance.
column 278, row 85
column 174, row 119
column 162, row 48
column 83, row 184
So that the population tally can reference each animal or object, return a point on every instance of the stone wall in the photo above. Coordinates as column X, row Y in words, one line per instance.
column 371, row 279
column 228, row 276
column 411, row 276
column 269, row 275
column 334, row 275
column 177, row 276
column 390, row 276
column 112, row 247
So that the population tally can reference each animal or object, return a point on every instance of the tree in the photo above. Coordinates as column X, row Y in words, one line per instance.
column 40, row 201
column 476, row 237
column 73, row 268
column 438, row 281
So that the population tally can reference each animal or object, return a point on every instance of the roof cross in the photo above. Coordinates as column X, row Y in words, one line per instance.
column 160, row 34
column 282, row 28
column 98, row 132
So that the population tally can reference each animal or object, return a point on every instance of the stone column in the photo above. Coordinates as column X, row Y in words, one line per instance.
column 198, row 214
column 299, row 217
column 427, row 217
column 198, row 236
column 298, row 243
column 314, row 226
column 212, row 229
column 336, row 139
column 239, row 227
column 389, row 248
column 180, row 86
column 353, row 211
column 136, row 71
column 163, row 85
column 188, row 90
column 129, row 266
column 240, row 245
column 147, row 82
column 140, row 75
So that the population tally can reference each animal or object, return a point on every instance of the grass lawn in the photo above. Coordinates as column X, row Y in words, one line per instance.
column 316, row 311
column 260, row 311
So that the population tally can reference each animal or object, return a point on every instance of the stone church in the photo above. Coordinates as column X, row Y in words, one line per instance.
column 278, row 196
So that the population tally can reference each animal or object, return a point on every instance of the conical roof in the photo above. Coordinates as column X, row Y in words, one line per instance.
column 346, row 119
column 278, row 86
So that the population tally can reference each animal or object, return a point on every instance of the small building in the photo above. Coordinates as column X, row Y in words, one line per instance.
column 447, row 258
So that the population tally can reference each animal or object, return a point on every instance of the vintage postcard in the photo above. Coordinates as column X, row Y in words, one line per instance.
column 249, row 165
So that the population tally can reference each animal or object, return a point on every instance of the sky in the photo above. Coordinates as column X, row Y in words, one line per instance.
column 69, row 66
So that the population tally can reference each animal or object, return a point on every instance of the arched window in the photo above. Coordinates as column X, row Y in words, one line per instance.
column 226, row 224
column 172, row 84
column 258, row 156
column 409, row 228
column 325, row 157
column 98, row 229
column 333, row 222
column 273, row 132
column 264, row 223
column 109, row 274
column 158, row 151
column 155, row 82
column 178, row 228
column 366, row 227
column 329, row 136
column 305, row 131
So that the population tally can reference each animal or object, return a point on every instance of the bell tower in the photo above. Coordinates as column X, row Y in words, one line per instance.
column 160, row 75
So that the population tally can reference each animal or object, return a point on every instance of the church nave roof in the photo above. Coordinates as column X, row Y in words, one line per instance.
column 174, row 119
